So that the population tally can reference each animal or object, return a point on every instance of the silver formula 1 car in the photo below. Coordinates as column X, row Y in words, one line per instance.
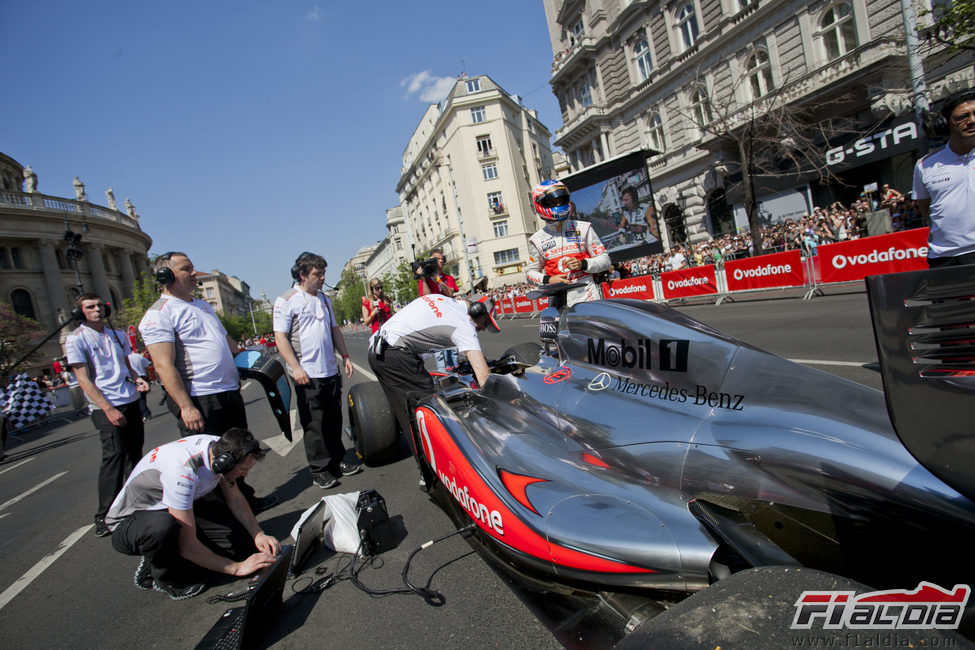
column 643, row 449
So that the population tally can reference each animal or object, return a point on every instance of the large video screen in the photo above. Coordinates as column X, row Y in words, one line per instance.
column 616, row 197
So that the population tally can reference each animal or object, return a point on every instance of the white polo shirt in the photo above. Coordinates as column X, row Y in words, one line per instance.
column 948, row 180
column 433, row 322
column 104, row 355
column 203, row 356
column 173, row 475
column 308, row 321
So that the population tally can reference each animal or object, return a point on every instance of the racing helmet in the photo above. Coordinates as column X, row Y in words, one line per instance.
column 551, row 200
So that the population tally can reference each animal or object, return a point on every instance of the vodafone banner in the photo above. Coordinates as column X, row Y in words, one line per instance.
column 523, row 305
column 696, row 281
column 506, row 306
column 775, row 270
column 542, row 303
column 640, row 288
column 858, row 258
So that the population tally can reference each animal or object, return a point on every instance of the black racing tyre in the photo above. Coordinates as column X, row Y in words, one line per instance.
column 527, row 353
column 372, row 425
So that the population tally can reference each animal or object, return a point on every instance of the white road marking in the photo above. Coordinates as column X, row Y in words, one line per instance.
column 31, row 491
column 16, row 466
column 246, row 385
column 364, row 371
column 11, row 592
column 815, row 362
column 279, row 444
column 6, row 514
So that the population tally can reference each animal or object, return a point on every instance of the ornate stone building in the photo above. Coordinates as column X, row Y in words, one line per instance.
column 227, row 294
column 633, row 74
column 37, row 262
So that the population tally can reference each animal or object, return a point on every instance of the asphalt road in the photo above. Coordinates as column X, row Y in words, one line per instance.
column 61, row 586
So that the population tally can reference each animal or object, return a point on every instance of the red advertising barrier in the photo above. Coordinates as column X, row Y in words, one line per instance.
column 696, row 281
column 523, row 305
column 542, row 303
column 507, row 307
column 766, row 271
column 857, row 258
column 640, row 288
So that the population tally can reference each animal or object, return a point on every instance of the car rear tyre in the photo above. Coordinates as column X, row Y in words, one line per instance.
column 527, row 353
column 372, row 425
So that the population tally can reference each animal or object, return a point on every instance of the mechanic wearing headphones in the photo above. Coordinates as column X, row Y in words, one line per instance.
column 429, row 323
column 944, row 186
column 98, row 357
column 564, row 250
column 194, row 358
column 170, row 513
column 307, row 336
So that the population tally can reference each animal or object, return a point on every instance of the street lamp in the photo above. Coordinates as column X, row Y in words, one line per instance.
column 361, row 272
column 73, row 253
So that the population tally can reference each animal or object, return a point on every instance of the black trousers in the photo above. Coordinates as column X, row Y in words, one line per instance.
column 402, row 375
column 155, row 534
column 958, row 260
column 221, row 411
column 121, row 450
column 320, row 413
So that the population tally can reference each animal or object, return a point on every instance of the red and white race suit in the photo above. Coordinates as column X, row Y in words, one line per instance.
column 550, row 249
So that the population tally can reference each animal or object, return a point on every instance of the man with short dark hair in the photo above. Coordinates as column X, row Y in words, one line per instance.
column 944, row 187
column 307, row 337
column 194, row 358
column 440, row 282
column 97, row 356
column 171, row 514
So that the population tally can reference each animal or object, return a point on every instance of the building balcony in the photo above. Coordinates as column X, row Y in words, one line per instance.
column 497, row 209
column 38, row 202
column 487, row 155
column 564, row 60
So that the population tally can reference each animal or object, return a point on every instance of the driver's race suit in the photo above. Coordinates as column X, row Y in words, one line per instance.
column 553, row 246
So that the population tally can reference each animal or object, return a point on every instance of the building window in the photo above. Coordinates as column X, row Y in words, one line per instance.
column 489, row 171
column 578, row 30
column 4, row 259
column 473, row 85
column 506, row 256
column 838, row 30
column 687, row 25
column 495, row 202
column 484, row 145
column 585, row 93
column 500, row 228
column 759, row 72
column 209, row 292
column 15, row 258
column 641, row 54
column 21, row 302
column 655, row 133
column 742, row 4
column 701, row 107
column 478, row 114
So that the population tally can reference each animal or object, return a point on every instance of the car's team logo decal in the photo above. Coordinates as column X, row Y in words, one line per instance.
column 559, row 375
column 600, row 381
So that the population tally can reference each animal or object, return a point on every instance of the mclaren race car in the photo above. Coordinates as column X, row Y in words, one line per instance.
column 643, row 449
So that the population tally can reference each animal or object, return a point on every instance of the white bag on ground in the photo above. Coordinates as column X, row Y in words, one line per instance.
column 341, row 530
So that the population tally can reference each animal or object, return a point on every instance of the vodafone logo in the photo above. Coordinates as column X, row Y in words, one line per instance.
column 686, row 282
column 875, row 256
column 762, row 271
column 622, row 291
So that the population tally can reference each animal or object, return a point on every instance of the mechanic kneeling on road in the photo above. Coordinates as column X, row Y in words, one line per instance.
column 171, row 514
column 429, row 323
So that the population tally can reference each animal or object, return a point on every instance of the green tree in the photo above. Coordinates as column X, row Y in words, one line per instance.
column 18, row 334
column 145, row 292
column 403, row 286
column 348, row 302
column 952, row 24
column 238, row 326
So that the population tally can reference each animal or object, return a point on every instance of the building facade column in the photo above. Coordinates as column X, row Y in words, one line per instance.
column 52, row 277
column 128, row 274
column 97, row 265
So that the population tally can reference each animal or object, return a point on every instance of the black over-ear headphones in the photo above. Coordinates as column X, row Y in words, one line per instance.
column 223, row 463
column 79, row 316
column 296, row 269
column 164, row 275
column 940, row 123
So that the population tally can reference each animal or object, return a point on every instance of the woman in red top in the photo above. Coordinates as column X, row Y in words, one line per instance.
column 376, row 307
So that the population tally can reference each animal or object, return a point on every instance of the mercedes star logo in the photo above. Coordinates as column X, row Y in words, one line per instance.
column 600, row 381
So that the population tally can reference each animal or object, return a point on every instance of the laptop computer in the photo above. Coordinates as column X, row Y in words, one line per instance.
column 309, row 535
column 244, row 627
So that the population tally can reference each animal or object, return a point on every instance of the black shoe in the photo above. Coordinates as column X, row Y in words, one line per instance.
column 326, row 480
column 143, row 578
column 348, row 469
column 101, row 529
column 260, row 504
column 178, row 593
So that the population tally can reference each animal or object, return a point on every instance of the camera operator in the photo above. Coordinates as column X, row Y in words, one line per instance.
column 438, row 281
column 428, row 323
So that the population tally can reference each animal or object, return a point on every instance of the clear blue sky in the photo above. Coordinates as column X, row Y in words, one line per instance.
column 243, row 131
